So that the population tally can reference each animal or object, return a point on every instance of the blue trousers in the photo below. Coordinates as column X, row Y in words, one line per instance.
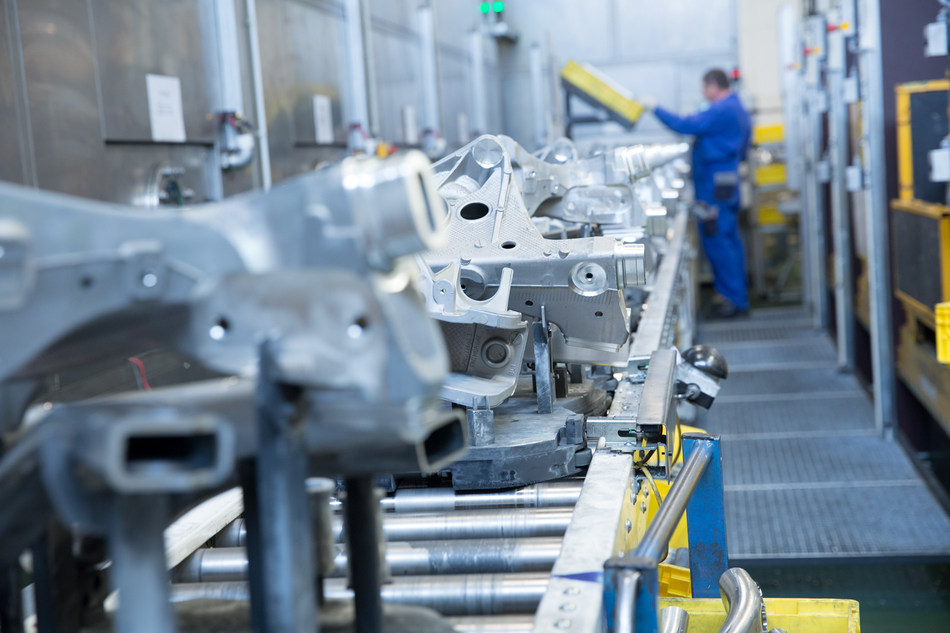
column 727, row 256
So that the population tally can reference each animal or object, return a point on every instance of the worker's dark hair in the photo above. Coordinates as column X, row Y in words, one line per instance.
column 716, row 76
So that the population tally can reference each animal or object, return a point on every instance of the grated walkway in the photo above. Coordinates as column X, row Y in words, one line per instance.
column 805, row 474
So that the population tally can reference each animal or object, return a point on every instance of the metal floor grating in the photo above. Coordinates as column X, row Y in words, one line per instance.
column 806, row 476
column 786, row 381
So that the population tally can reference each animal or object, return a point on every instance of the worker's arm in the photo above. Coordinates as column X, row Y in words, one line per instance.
column 695, row 124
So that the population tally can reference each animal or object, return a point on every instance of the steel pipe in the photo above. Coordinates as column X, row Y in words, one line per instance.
column 743, row 602
column 558, row 494
column 404, row 559
column 493, row 624
column 656, row 539
column 483, row 524
column 471, row 595
column 483, row 594
column 674, row 620
column 626, row 607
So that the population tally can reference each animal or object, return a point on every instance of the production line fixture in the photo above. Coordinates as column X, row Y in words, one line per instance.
column 503, row 340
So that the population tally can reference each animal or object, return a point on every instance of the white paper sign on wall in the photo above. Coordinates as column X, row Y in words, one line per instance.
column 165, row 112
column 323, row 119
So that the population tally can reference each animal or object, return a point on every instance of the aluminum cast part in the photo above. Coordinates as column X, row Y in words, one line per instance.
column 576, row 280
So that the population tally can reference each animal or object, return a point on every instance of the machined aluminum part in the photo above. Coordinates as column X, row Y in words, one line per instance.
column 577, row 283
column 486, row 341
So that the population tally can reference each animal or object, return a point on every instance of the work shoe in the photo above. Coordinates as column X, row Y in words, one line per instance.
column 724, row 309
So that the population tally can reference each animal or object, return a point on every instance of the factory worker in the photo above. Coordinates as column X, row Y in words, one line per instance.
column 722, row 138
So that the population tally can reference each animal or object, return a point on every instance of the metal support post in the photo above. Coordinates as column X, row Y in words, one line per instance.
column 56, row 587
column 364, row 535
column 539, row 97
column 138, row 572
column 257, row 80
column 11, row 605
column 878, row 238
column 430, row 71
column 706, row 521
column 279, row 537
column 479, row 86
column 840, row 208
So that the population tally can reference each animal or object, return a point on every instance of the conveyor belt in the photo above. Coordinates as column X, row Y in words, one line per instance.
column 805, row 474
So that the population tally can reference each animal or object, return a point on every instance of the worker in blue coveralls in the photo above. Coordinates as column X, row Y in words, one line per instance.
column 722, row 138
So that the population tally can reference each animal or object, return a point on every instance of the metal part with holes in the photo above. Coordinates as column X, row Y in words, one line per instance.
column 305, row 291
column 577, row 281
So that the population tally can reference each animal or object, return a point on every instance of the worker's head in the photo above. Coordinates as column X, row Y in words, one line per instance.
column 715, row 85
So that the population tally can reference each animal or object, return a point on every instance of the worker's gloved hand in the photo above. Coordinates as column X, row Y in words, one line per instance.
column 648, row 103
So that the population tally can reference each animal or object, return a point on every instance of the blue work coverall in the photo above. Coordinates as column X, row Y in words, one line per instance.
column 722, row 138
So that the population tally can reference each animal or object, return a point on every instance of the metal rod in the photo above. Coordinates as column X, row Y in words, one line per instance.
column 356, row 66
column 656, row 539
column 257, row 79
column 468, row 595
column 626, row 607
column 137, row 549
column 429, row 71
column 481, row 524
column 224, row 564
column 674, row 620
column 363, row 537
column 743, row 602
column 482, row 594
column 493, row 624
column 558, row 494
column 840, row 208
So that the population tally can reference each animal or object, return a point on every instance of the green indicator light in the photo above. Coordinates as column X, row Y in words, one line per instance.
column 485, row 7
column 498, row 7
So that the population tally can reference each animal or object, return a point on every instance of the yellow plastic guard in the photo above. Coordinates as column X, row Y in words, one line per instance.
column 767, row 175
column 765, row 134
column 675, row 582
column 942, row 313
column 586, row 79
column 811, row 616
column 770, row 216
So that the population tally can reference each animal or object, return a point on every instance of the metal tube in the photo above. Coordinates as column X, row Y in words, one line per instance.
column 879, row 268
column 363, row 538
column 743, row 602
column 479, row 87
column 257, row 80
column 558, row 494
column 471, row 595
column 430, row 70
column 483, row 594
column 356, row 57
column 493, row 624
column 138, row 573
column 626, row 608
column 539, row 97
column 674, row 620
column 482, row 524
column 656, row 539
column 840, row 207
column 224, row 564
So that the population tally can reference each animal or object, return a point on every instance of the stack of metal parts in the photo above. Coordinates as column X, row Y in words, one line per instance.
column 360, row 330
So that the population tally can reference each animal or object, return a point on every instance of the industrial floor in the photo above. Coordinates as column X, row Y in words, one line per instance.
column 806, row 476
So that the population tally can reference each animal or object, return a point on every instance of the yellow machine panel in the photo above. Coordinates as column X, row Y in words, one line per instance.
column 589, row 84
